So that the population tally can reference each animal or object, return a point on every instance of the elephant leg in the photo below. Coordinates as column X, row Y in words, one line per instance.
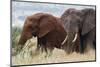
column 38, row 47
column 93, row 35
column 89, row 45
column 90, row 38
column 45, row 48
column 81, row 44
column 42, row 45
column 50, row 48
column 94, row 44
column 86, row 44
column 37, row 50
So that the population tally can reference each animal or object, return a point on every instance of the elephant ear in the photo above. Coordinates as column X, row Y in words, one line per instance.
column 46, row 24
column 88, row 21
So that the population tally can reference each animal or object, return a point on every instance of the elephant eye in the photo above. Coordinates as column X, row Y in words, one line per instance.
column 30, row 19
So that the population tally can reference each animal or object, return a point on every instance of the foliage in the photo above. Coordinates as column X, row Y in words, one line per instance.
column 15, row 32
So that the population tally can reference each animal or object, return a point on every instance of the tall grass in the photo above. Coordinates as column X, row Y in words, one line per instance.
column 16, row 31
column 29, row 55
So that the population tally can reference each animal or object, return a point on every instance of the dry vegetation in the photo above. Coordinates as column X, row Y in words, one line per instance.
column 29, row 56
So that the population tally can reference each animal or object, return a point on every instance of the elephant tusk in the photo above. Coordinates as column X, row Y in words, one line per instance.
column 64, row 40
column 75, row 38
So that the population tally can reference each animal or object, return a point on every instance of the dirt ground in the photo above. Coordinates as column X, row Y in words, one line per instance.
column 29, row 56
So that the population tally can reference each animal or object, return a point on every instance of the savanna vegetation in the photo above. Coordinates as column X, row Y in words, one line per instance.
column 29, row 55
column 15, row 36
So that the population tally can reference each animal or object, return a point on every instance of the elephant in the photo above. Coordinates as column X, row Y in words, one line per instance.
column 48, row 29
column 80, row 26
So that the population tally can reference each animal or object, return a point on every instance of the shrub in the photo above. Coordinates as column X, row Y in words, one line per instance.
column 14, row 34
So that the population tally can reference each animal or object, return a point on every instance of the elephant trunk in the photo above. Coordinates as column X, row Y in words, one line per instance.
column 71, row 40
column 24, row 37
column 22, row 40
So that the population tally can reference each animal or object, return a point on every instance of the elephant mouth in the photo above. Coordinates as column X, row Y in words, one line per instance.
column 34, row 34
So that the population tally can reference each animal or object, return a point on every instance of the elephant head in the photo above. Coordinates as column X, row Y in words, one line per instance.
column 72, row 20
column 78, row 22
column 38, row 25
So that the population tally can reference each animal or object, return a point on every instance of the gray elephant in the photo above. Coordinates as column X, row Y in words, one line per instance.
column 81, row 29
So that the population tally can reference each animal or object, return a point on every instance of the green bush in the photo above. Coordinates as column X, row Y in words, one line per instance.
column 16, row 31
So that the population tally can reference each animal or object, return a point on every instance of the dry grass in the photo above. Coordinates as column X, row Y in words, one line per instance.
column 29, row 56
